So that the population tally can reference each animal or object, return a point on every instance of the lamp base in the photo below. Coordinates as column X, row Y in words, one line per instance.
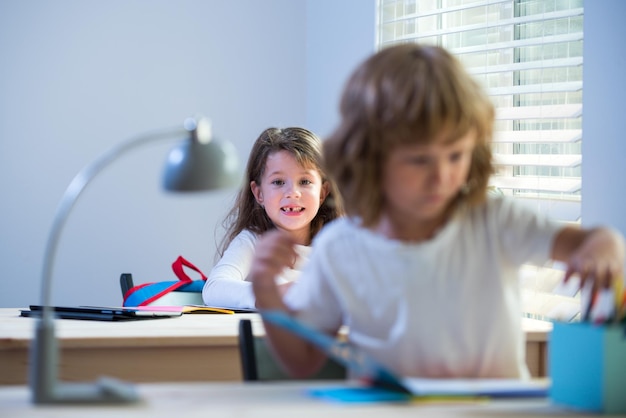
column 103, row 391
column 46, row 387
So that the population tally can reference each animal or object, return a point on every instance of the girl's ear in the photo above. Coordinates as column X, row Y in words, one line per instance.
column 324, row 192
column 256, row 191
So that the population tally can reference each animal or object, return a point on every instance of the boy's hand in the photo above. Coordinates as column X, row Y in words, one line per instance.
column 599, row 257
column 274, row 251
column 284, row 287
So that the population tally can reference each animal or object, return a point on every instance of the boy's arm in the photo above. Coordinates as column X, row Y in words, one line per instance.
column 594, row 254
column 274, row 252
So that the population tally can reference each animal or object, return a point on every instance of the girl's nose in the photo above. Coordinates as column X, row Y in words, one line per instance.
column 292, row 190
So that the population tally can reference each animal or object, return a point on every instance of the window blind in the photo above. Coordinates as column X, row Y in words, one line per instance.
column 528, row 56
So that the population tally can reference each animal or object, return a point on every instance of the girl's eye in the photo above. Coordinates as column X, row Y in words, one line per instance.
column 306, row 182
column 277, row 182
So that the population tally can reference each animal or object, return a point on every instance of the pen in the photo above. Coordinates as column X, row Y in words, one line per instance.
column 454, row 399
column 620, row 299
column 586, row 301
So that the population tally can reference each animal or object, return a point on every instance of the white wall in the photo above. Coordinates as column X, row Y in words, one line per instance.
column 78, row 77
column 604, row 128
column 336, row 44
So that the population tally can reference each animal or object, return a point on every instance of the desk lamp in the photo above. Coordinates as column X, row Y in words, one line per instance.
column 198, row 163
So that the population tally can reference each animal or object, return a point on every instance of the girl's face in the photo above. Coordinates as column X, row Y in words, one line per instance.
column 291, row 194
column 419, row 183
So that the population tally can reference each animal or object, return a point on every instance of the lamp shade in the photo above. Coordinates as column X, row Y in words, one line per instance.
column 200, row 162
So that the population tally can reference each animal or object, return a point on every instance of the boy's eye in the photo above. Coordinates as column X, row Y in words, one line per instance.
column 420, row 160
column 455, row 156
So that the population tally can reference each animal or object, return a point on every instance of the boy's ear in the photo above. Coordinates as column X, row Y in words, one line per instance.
column 324, row 192
column 256, row 191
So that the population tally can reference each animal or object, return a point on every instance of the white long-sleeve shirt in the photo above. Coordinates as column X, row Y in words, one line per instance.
column 227, row 284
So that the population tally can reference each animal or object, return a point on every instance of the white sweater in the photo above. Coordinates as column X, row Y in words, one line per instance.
column 446, row 307
column 227, row 284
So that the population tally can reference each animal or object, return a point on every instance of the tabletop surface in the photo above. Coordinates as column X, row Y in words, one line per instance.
column 188, row 329
column 276, row 400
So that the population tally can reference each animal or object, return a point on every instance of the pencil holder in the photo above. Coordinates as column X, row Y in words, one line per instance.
column 587, row 365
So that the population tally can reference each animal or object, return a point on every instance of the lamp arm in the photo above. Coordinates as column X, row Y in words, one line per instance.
column 72, row 193
column 44, row 353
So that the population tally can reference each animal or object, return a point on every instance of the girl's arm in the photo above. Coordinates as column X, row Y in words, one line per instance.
column 228, row 293
column 226, row 285
column 274, row 252
column 594, row 254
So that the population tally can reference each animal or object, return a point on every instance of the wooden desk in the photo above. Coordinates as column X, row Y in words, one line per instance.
column 537, row 333
column 194, row 347
column 276, row 400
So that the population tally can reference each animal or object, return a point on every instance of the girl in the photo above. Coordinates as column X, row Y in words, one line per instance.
column 423, row 270
column 287, row 190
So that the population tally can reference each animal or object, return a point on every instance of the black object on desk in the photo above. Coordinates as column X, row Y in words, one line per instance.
column 99, row 313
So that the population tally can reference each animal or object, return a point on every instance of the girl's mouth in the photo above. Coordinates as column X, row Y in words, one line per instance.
column 292, row 209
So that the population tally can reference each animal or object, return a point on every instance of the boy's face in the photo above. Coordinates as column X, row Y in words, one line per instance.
column 291, row 194
column 420, row 181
